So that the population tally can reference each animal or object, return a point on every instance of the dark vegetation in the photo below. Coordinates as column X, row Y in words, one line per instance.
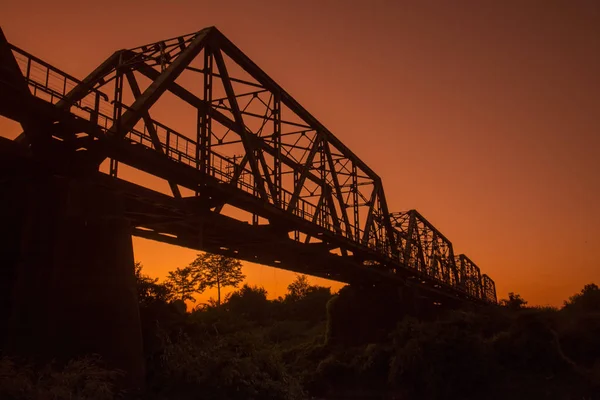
column 312, row 344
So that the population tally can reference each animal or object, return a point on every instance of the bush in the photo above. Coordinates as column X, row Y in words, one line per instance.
column 529, row 347
column 237, row 366
column 580, row 338
column 251, row 347
column 357, row 316
column 436, row 360
column 514, row 301
column 282, row 331
column 334, row 371
column 588, row 300
column 249, row 302
column 80, row 379
column 375, row 362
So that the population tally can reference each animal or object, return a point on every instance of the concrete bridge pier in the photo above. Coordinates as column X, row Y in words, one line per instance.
column 74, row 291
column 12, row 212
column 361, row 314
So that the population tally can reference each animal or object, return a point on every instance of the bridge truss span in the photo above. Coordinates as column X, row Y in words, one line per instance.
column 230, row 136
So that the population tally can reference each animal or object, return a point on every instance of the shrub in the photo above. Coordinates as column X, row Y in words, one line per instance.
column 80, row 379
column 237, row 366
column 437, row 360
column 588, row 300
column 249, row 302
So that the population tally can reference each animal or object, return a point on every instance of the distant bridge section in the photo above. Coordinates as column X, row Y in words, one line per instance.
column 252, row 174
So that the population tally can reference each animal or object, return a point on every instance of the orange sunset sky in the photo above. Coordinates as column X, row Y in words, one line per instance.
column 482, row 115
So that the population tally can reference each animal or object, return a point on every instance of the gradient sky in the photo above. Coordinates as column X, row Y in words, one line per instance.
column 482, row 115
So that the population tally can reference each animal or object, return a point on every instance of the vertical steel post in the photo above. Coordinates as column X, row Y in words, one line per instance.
column 452, row 265
column 204, row 118
column 117, row 110
column 434, row 264
column 296, row 182
column 277, row 178
column 355, row 203
column 409, row 238
column 323, row 173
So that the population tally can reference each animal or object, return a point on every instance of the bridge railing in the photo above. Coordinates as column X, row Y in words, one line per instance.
column 180, row 148
column 52, row 85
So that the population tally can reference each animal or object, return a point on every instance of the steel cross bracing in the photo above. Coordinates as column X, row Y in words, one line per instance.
column 240, row 140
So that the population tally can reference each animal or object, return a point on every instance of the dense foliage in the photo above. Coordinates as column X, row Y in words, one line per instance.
column 354, row 344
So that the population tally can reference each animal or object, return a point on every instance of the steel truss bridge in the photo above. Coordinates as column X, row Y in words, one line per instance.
column 252, row 174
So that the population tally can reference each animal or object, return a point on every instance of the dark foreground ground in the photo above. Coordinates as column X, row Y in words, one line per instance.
column 314, row 345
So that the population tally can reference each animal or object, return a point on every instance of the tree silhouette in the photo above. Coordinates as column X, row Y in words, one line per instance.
column 184, row 283
column 250, row 302
column 305, row 302
column 588, row 299
column 298, row 289
column 514, row 301
column 218, row 271
column 149, row 289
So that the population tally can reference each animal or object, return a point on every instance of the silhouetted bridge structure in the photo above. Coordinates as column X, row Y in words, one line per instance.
column 252, row 174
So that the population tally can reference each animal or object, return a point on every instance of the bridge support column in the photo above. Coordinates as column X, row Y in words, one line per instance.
column 363, row 314
column 74, row 293
column 360, row 314
column 11, row 214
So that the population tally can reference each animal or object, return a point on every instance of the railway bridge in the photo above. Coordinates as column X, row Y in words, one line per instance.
column 242, row 169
